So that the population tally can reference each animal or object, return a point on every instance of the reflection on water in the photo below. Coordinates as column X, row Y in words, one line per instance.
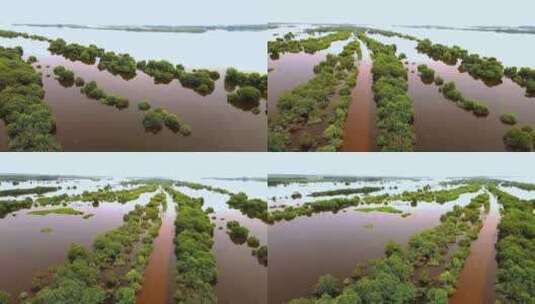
column 213, row 49
column 442, row 126
column 241, row 279
column 25, row 250
column 306, row 248
column 159, row 273
column 476, row 281
column 86, row 125
column 511, row 49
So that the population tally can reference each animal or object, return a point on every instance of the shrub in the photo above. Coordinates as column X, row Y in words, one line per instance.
column 327, row 285
column 143, row 106
column 508, row 118
column 154, row 119
column 79, row 82
column 518, row 140
column 253, row 242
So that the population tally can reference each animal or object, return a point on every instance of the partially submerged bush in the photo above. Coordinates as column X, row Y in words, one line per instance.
column 508, row 118
column 520, row 140
column 144, row 106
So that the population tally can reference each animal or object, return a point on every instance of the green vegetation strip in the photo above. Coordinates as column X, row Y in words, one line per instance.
column 35, row 190
column 7, row 207
column 113, row 271
column 240, row 235
column 395, row 114
column 515, row 249
column 402, row 275
column 334, row 205
column 102, row 195
column 385, row 209
column 253, row 208
column 346, row 191
column 30, row 125
column 57, row 211
column 309, row 45
column 196, row 264
column 310, row 104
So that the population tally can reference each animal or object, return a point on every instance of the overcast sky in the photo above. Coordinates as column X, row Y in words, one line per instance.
column 154, row 12
column 395, row 12
column 195, row 165
column 198, row 12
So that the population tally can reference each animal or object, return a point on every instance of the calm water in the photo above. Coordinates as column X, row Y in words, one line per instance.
column 87, row 125
column 26, row 250
column 476, row 281
column 213, row 49
column 241, row 279
column 441, row 126
column 511, row 49
column 302, row 250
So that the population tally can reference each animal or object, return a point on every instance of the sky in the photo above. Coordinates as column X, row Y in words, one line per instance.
column 121, row 12
column 202, row 12
column 408, row 12
column 198, row 165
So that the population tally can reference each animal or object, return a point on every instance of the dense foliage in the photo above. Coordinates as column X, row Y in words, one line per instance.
column 196, row 265
column 235, row 78
column 346, row 191
column 489, row 70
column 93, row 91
column 515, row 249
column 253, row 208
column 310, row 104
column 30, row 125
column 519, row 139
column 24, row 191
column 508, row 118
column 201, row 81
column 154, row 119
column 308, row 45
column 64, row 75
column 394, row 106
column 7, row 207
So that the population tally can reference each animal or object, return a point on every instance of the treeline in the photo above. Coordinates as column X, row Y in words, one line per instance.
column 524, row 77
column 196, row 264
column 308, row 45
column 307, row 104
column 490, row 70
column 96, row 276
column 402, row 276
column 253, row 208
column 197, row 186
column 395, row 115
column 9, row 206
column 155, row 119
column 515, row 249
column 102, row 195
column 440, row 196
column 241, row 235
column 346, row 191
column 35, row 190
column 29, row 121
column 251, row 87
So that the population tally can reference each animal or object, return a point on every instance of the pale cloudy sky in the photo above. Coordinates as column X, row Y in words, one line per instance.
column 195, row 165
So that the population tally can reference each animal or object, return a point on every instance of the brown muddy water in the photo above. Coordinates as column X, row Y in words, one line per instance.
column 241, row 279
column 25, row 250
column 441, row 126
column 359, row 130
column 306, row 248
column 159, row 275
column 287, row 72
column 87, row 125
column 476, row 281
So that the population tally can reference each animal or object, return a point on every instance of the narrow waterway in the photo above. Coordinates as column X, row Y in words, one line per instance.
column 158, row 274
column 476, row 282
column 359, row 130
